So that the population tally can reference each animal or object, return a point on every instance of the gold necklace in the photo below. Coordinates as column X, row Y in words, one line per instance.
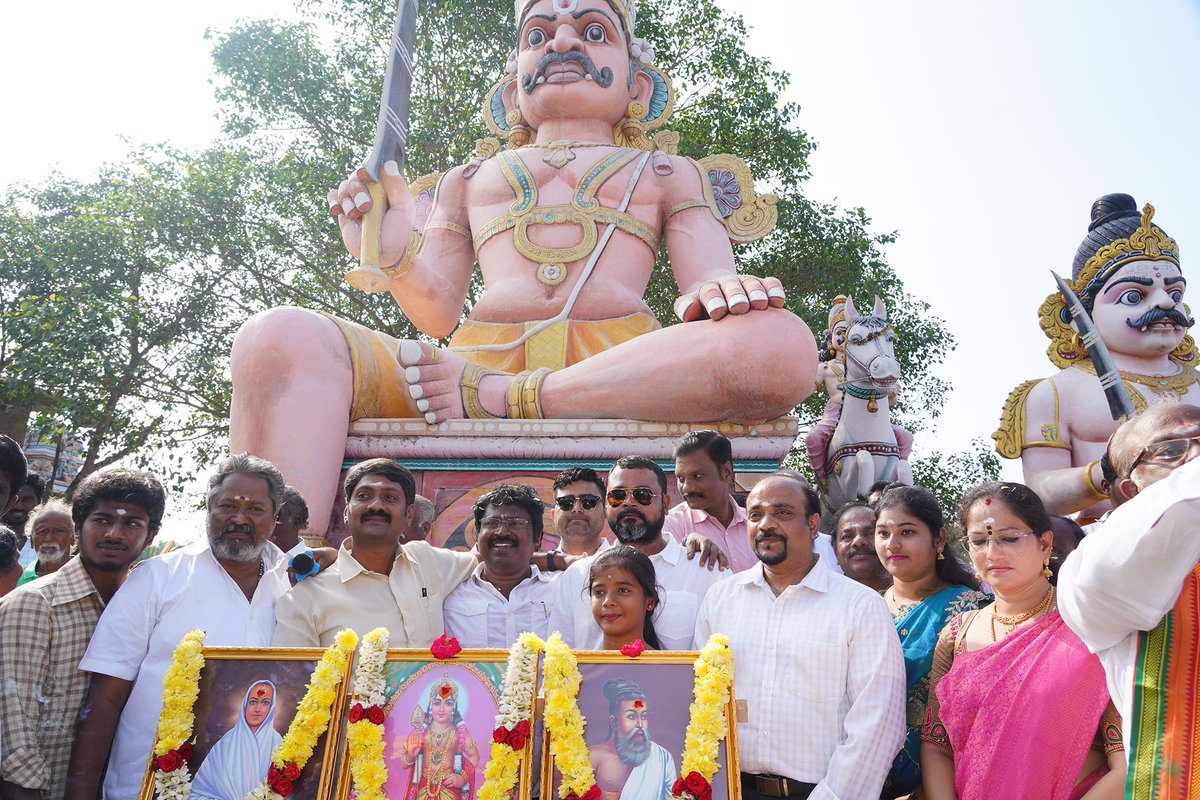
column 561, row 153
column 1011, row 622
column 1171, row 386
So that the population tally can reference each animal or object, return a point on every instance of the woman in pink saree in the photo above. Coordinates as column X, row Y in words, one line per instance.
column 1018, row 707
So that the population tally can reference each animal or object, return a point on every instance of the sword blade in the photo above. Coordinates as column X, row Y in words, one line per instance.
column 1120, row 404
column 391, row 127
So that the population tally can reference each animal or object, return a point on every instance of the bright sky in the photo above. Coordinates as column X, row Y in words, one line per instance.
column 981, row 132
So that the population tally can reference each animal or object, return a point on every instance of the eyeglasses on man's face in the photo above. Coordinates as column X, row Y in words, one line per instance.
column 510, row 524
column 567, row 501
column 1167, row 453
column 644, row 496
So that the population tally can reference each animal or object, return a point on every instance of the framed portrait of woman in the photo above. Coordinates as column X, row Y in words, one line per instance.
column 437, row 730
column 248, row 697
column 636, row 713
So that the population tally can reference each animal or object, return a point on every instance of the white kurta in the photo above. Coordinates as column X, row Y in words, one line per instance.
column 164, row 598
column 653, row 778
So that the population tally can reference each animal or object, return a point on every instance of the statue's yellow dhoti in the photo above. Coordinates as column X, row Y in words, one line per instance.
column 381, row 391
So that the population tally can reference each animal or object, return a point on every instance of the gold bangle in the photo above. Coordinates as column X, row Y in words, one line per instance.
column 531, row 394
column 453, row 227
column 513, row 400
column 1087, row 479
column 406, row 262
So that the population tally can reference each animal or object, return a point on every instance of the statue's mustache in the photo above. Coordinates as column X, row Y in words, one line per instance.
column 602, row 77
column 1155, row 314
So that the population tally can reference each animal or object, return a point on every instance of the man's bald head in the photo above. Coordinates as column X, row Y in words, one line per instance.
column 1159, row 423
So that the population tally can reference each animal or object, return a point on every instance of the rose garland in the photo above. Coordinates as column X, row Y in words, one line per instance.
column 310, row 722
column 707, row 723
column 181, row 685
column 365, row 733
column 564, row 723
column 514, row 720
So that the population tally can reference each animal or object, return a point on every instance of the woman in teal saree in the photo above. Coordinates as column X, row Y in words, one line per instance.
column 930, row 585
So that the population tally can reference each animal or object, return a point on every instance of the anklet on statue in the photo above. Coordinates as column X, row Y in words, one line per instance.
column 473, row 375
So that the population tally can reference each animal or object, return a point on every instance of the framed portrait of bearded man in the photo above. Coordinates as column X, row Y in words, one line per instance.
column 247, row 699
column 636, row 713
column 439, row 717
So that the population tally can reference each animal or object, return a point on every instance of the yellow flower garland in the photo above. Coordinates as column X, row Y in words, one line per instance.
column 312, row 715
column 181, row 685
column 564, row 722
column 707, row 724
column 504, row 765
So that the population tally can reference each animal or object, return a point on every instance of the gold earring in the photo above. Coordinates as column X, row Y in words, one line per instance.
column 1046, row 569
column 940, row 556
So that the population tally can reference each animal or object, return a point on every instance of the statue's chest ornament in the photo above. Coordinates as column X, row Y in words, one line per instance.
column 584, row 210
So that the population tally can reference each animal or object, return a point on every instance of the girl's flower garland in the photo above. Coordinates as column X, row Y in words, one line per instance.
column 514, row 720
column 564, row 723
column 181, row 685
column 707, row 723
column 311, row 720
column 365, row 732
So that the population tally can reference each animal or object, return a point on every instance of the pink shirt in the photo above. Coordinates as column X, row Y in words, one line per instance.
column 682, row 520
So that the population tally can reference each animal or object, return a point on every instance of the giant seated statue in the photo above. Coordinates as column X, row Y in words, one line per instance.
column 565, row 220
column 1126, row 273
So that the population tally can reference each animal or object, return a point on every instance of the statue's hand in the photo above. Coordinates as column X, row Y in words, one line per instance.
column 351, row 200
column 455, row 781
column 736, row 294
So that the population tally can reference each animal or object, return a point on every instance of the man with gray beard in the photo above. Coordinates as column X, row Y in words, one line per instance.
column 629, row 765
column 226, row 586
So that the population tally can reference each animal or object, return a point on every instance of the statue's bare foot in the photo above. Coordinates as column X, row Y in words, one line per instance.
column 447, row 386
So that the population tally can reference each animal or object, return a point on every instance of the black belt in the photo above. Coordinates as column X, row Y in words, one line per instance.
column 777, row 785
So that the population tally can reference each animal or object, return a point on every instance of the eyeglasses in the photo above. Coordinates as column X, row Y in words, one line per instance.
column 510, row 524
column 1006, row 541
column 644, row 496
column 567, row 501
column 1169, row 453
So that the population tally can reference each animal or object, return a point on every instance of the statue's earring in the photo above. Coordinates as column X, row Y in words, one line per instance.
column 519, row 132
column 637, row 110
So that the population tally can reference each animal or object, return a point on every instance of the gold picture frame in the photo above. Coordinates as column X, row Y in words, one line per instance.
column 671, row 690
column 411, row 674
column 224, row 668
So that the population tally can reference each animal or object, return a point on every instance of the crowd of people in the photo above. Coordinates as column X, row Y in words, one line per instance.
column 895, row 659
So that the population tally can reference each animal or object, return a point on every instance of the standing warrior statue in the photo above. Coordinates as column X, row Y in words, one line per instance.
column 565, row 223
column 1126, row 274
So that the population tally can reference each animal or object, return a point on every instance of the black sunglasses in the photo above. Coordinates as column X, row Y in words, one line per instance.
column 641, row 494
column 567, row 501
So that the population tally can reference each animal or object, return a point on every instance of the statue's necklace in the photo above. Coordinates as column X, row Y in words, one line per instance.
column 1169, row 386
column 559, row 154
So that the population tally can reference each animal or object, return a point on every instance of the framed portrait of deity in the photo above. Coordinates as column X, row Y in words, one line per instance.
column 438, row 719
column 635, row 719
column 248, row 699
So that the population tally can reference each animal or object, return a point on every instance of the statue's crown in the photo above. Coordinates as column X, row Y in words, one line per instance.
column 837, row 311
column 444, row 688
column 1148, row 243
column 626, row 8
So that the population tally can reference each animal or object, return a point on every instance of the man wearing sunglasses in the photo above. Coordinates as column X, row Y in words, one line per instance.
column 636, row 507
column 1131, row 591
column 578, row 514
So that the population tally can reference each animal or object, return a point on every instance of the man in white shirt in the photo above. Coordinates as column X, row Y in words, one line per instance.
column 225, row 585
column 817, row 660
column 636, row 505
column 1131, row 591
column 378, row 580
column 505, row 594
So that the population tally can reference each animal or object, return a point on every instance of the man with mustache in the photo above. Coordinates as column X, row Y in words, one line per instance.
column 636, row 506
column 854, row 543
column 25, row 497
column 629, row 764
column 1131, row 591
column 45, row 626
column 378, row 580
column 505, row 594
column 819, row 665
column 578, row 513
column 1126, row 273
column 704, row 471
column 225, row 585
column 51, row 533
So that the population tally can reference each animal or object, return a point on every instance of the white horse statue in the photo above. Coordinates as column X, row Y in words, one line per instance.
column 865, row 446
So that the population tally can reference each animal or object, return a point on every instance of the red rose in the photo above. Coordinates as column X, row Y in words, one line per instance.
column 170, row 761
column 273, row 774
column 500, row 735
column 697, row 785
column 185, row 750
column 282, row 787
column 516, row 741
column 291, row 771
column 592, row 793
column 375, row 715
column 633, row 649
column 523, row 728
column 445, row 647
column 356, row 712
